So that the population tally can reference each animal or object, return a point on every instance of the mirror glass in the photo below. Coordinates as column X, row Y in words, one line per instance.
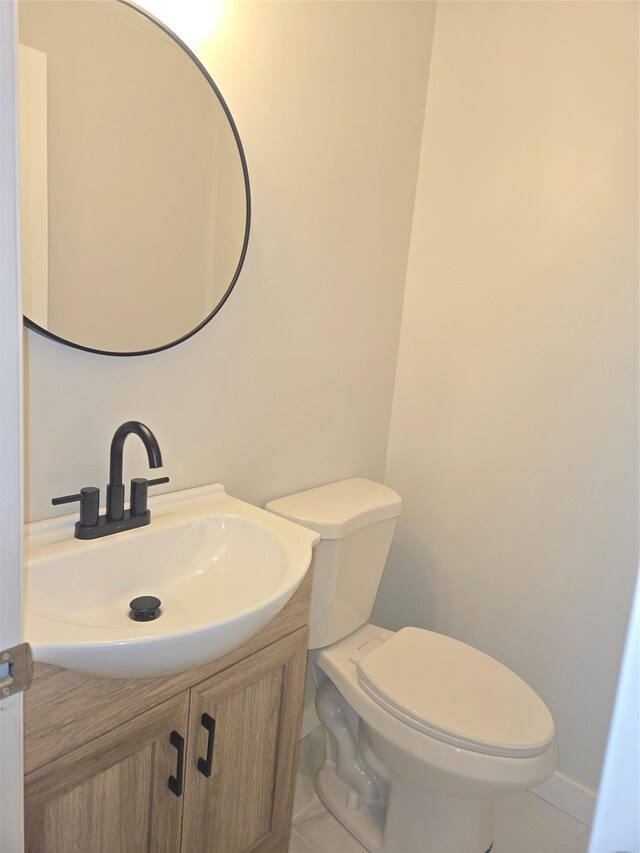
column 134, row 189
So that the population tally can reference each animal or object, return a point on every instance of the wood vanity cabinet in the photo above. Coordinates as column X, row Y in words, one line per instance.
column 243, row 803
column 209, row 770
column 110, row 794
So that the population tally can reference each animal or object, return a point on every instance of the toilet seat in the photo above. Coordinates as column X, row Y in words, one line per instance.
column 456, row 694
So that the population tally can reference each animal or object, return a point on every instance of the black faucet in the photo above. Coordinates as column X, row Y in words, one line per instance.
column 115, row 489
column 116, row 519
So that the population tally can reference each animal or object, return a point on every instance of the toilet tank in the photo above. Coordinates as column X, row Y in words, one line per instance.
column 356, row 519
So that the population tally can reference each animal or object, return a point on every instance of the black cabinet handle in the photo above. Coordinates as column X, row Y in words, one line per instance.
column 204, row 765
column 175, row 782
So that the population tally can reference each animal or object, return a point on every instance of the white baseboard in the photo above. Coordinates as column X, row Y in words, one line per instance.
column 569, row 796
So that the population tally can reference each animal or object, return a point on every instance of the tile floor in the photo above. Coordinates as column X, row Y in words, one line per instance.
column 524, row 822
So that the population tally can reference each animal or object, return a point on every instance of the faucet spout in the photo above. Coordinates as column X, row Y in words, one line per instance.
column 117, row 447
column 115, row 489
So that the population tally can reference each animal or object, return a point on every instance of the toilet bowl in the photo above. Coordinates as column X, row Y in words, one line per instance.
column 423, row 731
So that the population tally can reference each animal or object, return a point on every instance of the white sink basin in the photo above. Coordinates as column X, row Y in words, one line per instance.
column 221, row 567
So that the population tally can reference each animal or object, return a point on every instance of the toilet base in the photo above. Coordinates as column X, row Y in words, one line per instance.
column 414, row 820
column 364, row 819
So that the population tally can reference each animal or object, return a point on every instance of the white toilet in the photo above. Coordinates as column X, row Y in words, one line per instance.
column 423, row 732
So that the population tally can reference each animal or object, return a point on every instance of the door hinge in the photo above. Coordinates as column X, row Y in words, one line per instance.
column 16, row 669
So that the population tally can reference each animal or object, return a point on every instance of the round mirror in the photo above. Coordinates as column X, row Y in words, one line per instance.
column 134, row 186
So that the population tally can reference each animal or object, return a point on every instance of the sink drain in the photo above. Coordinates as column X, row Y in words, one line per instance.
column 144, row 608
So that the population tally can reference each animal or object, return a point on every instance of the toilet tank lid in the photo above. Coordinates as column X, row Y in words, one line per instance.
column 338, row 509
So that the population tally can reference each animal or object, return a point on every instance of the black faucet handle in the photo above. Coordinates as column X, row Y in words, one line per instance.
column 89, row 498
column 158, row 481
column 66, row 499
column 139, row 491
column 91, row 494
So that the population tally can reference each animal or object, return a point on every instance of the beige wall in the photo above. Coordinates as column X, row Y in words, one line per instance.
column 514, row 427
column 291, row 384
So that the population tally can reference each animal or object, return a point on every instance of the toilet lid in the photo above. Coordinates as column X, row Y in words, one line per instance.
column 456, row 693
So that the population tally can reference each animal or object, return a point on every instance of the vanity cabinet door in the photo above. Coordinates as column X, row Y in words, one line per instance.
column 112, row 795
column 244, row 727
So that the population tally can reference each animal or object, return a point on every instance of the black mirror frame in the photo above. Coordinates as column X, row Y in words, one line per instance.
column 36, row 328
